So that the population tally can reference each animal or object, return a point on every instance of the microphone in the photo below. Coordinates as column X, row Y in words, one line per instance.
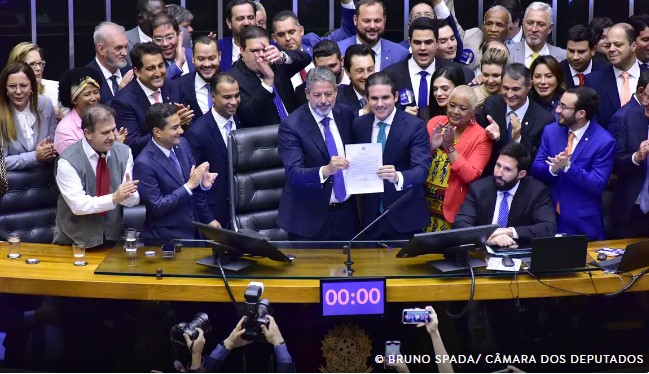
column 394, row 205
column 406, row 98
column 467, row 56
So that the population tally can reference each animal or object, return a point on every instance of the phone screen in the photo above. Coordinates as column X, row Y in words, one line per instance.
column 414, row 316
column 392, row 350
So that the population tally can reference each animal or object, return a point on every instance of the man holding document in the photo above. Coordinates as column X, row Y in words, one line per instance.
column 406, row 160
column 315, row 204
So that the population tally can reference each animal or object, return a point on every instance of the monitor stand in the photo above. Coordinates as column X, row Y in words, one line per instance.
column 456, row 258
column 229, row 257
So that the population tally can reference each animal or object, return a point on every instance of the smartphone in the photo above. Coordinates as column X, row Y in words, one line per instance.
column 392, row 349
column 415, row 316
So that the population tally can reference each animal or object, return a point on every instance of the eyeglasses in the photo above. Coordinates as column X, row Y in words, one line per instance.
column 564, row 107
column 169, row 38
column 13, row 88
column 40, row 64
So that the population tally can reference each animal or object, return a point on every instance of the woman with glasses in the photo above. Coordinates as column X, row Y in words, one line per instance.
column 460, row 150
column 547, row 83
column 32, row 55
column 27, row 120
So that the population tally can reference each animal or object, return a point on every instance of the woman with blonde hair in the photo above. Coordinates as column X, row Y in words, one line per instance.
column 492, row 64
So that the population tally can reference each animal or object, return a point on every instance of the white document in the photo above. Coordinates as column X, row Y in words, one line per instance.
column 364, row 162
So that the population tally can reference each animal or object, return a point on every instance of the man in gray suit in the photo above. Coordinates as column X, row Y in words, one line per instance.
column 147, row 10
column 537, row 24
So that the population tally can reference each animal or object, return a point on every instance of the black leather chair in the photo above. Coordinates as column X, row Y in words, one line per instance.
column 29, row 206
column 256, row 180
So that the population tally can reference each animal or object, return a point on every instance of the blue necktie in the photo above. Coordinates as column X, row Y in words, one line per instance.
column 382, row 137
column 174, row 160
column 644, row 192
column 363, row 102
column 210, row 103
column 114, row 84
column 422, row 101
column 338, row 180
column 278, row 104
column 503, row 212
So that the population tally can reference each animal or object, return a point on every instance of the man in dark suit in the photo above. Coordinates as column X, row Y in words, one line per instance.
column 165, row 32
column 617, row 82
column 579, row 59
column 518, row 118
column 575, row 159
column 194, row 88
column 314, row 203
column 239, row 14
column 631, row 195
column 169, row 179
column 632, row 110
column 640, row 23
column 406, row 161
column 359, row 65
column 147, row 10
column 264, row 76
column 325, row 53
column 148, row 88
column 518, row 203
column 208, row 139
column 111, row 52
column 414, row 74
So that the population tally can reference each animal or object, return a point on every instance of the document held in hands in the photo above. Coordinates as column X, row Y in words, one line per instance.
column 364, row 162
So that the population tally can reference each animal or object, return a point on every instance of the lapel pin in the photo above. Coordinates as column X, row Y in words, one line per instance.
column 586, row 139
column 526, row 123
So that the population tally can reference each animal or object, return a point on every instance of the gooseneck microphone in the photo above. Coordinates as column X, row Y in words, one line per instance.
column 395, row 204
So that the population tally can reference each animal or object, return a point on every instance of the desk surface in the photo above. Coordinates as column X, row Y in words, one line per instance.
column 56, row 275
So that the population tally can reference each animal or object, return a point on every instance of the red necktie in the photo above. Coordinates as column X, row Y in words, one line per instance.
column 303, row 75
column 582, row 79
column 103, row 178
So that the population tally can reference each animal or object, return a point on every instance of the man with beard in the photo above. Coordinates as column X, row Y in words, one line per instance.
column 517, row 202
column 194, row 88
column 314, row 203
column 370, row 25
column 111, row 52
column 208, row 140
column 325, row 53
column 537, row 24
column 575, row 159
column 239, row 14
column 147, row 10
column 579, row 61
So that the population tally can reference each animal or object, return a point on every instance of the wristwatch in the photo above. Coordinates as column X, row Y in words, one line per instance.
column 565, row 170
column 449, row 149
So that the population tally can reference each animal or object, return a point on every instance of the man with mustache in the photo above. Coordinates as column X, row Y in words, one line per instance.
column 194, row 87
column 314, row 203
column 537, row 24
column 576, row 160
column 111, row 54
column 208, row 140
column 517, row 202
column 580, row 59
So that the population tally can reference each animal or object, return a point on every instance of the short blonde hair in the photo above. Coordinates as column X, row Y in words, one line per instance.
column 20, row 51
column 494, row 56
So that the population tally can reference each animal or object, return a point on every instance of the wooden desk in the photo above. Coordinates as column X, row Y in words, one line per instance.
column 56, row 275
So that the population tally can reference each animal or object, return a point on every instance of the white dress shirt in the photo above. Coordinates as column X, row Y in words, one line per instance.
column 167, row 153
column 415, row 78
column 499, row 200
column 149, row 92
column 270, row 89
column 520, row 113
column 518, row 37
column 377, row 54
column 296, row 79
column 236, row 52
column 340, row 148
column 634, row 75
column 528, row 53
column 107, row 74
column 74, row 194
column 202, row 94
column 144, row 38
column 221, row 122
column 375, row 135
column 575, row 78
column 26, row 121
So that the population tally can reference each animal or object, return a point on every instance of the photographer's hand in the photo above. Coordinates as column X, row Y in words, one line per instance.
column 234, row 340
column 196, row 347
column 272, row 333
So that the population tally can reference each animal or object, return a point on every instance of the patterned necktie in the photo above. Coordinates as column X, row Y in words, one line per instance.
column 534, row 56
column 363, row 102
column 156, row 97
column 582, row 79
column 279, row 106
column 625, row 95
column 338, row 179
column 422, row 100
column 174, row 160
column 114, row 85
column 503, row 212
column 210, row 103
column 102, row 178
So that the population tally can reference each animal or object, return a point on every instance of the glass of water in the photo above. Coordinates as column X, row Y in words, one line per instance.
column 14, row 245
column 130, row 240
column 79, row 253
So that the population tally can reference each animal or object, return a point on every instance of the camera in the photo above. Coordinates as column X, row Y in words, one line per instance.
column 256, row 312
column 200, row 321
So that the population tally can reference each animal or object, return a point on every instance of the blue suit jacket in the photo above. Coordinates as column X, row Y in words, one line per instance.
column 131, row 106
column 304, row 203
column 173, row 71
column 620, row 118
column 391, row 52
column 604, row 82
column 408, row 149
column 105, row 91
column 170, row 210
column 580, row 189
column 204, row 138
column 346, row 29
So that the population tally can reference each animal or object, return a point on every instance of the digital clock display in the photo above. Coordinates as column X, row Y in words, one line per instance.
column 346, row 297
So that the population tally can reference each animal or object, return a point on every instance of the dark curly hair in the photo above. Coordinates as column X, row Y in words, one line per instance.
column 73, row 78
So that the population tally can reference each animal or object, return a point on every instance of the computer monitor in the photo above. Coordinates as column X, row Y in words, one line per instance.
column 449, row 243
column 231, row 245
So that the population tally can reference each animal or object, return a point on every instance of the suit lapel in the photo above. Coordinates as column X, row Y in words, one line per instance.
column 140, row 96
column 215, row 133
column 343, row 130
column 396, row 130
column 488, row 201
column 612, row 95
column 351, row 95
column 518, row 202
column 385, row 54
column 583, row 142
column 528, row 118
column 20, row 136
column 313, row 130
column 166, row 163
